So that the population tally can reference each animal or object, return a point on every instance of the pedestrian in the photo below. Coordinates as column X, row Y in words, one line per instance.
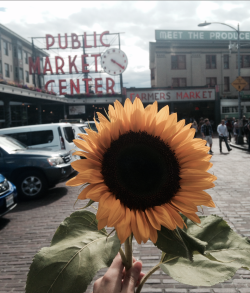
column 195, row 126
column 229, row 128
column 248, row 125
column 236, row 130
column 207, row 133
column 201, row 122
column 223, row 134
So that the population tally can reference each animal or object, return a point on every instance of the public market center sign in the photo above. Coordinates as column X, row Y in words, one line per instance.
column 163, row 35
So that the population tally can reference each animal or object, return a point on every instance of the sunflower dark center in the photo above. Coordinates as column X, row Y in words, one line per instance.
column 141, row 170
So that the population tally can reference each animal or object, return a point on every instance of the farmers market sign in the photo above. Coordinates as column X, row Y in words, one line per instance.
column 200, row 35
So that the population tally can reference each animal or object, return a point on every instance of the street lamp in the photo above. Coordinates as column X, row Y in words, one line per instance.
column 240, row 137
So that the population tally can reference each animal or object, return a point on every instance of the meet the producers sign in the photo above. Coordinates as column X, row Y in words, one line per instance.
column 200, row 35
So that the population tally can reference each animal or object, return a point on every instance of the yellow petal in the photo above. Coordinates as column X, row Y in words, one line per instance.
column 134, row 227
column 150, row 214
column 142, row 225
column 102, row 223
column 116, row 214
column 83, row 165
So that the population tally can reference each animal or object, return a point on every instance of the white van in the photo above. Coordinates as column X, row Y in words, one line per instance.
column 54, row 136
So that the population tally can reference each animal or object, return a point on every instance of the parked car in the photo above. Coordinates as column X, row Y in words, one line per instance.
column 8, row 196
column 54, row 136
column 33, row 171
column 91, row 125
column 79, row 128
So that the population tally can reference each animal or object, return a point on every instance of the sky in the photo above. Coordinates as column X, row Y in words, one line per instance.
column 136, row 20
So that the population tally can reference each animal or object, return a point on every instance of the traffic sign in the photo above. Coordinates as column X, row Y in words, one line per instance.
column 239, row 83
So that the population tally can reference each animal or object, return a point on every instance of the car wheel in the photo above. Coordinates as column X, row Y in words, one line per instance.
column 31, row 185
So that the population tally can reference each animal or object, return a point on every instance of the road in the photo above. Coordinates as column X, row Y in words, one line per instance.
column 30, row 226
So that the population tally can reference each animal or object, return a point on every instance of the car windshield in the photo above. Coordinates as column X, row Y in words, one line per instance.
column 81, row 128
column 10, row 144
column 68, row 133
column 92, row 126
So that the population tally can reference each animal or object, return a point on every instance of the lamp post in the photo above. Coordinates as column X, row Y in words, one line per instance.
column 240, row 137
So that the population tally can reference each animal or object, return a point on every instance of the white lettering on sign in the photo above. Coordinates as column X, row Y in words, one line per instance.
column 148, row 96
column 212, row 35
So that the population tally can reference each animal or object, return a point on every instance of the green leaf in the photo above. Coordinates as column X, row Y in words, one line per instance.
column 179, row 243
column 226, row 252
column 78, row 250
column 88, row 204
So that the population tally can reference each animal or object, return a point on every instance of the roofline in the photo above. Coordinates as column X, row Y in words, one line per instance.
column 4, row 28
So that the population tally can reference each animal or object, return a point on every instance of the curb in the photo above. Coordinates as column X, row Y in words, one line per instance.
column 239, row 146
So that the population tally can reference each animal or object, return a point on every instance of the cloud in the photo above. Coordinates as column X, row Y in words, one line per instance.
column 137, row 19
column 2, row 9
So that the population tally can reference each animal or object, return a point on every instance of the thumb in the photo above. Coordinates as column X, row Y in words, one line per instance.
column 131, row 278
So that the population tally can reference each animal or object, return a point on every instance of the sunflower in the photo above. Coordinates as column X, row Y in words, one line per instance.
column 144, row 168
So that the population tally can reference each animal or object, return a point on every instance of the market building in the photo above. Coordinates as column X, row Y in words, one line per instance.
column 191, row 59
column 27, row 95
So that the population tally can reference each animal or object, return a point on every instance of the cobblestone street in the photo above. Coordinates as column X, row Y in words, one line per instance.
column 31, row 225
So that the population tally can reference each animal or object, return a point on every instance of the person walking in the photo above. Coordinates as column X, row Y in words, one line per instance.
column 195, row 126
column 223, row 134
column 248, row 125
column 207, row 133
column 229, row 128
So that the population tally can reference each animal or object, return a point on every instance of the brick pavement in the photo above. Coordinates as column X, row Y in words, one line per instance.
column 31, row 226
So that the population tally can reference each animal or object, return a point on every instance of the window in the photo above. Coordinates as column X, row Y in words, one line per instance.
column 7, row 70
column 20, row 53
column 231, row 109
column 20, row 73
column 179, row 82
column 248, row 108
column 41, row 137
column 1, row 71
column 226, row 61
column 26, row 56
column 5, row 48
column 152, row 73
column 226, row 84
column 27, row 76
column 16, row 72
column 244, row 61
column 22, row 137
column 247, row 79
column 211, row 81
column 210, row 61
column 178, row 62
column 68, row 133
column 15, row 52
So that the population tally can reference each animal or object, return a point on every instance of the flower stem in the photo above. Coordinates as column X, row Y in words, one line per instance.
column 124, row 259
column 144, row 279
column 129, row 252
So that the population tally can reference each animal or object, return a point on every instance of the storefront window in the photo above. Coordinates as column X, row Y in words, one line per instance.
column 179, row 82
column 247, row 79
column 5, row 48
column 178, row 62
column 211, row 81
column 226, row 61
column 20, row 53
column 210, row 61
column 226, row 84
column 7, row 70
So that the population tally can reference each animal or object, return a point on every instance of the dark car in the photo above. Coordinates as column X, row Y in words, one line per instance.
column 8, row 196
column 33, row 171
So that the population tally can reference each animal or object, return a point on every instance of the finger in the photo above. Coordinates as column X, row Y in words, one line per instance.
column 131, row 278
column 111, row 281
column 124, row 270
column 97, row 285
column 139, row 280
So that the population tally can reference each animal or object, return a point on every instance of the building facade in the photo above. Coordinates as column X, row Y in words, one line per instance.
column 14, row 58
column 179, row 59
